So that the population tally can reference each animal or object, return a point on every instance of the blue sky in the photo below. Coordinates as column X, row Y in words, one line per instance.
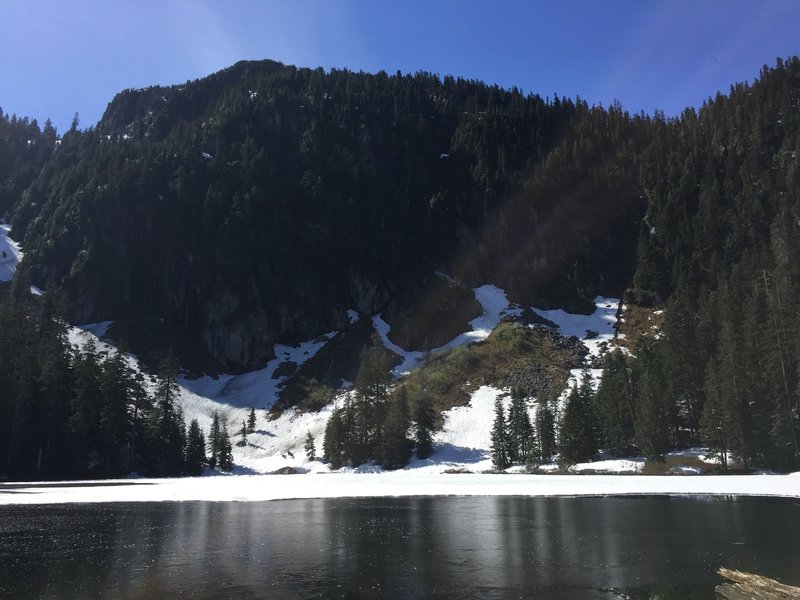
column 58, row 58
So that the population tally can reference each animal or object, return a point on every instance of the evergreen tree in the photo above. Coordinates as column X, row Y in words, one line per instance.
column 615, row 405
column 715, row 421
column 243, row 432
column 310, row 447
column 114, row 424
column 652, row 422
column 195, row 449
column 424, row 421
column 520, row 431
column 251, row 421
column 577, row 440
column 546, row 432
column 395, row 446
column 369, row 402
column 166, row 430
column 500, row 442
column 87, row 400
column 225, row 458
column 333, row 444
column 214, row 439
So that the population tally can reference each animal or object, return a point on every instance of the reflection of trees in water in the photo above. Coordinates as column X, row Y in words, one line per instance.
column 393, row 547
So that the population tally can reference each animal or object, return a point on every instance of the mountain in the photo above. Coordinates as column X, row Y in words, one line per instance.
column 368, row 217
column 261, row 203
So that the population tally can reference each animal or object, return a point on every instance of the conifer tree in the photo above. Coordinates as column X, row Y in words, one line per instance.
column 424, row 421
column 225, row 459
column 166, row 431
column 214, row 438
column 117, row 389
column 195, row 449
column 333, row 444
column 395, row 446
column 615, row 405
column 520, row 431
column 243, row 432
column 500, row 442
column 715, row 420
column 310, row 447
column 546, row 432
column 652, row 421
column 87, row 400
column 577, row 440
column 251, row 421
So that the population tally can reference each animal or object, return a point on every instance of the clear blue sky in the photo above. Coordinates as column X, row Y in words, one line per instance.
column 59, row 57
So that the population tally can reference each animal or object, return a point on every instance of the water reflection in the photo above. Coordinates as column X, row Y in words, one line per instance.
column 395, row 548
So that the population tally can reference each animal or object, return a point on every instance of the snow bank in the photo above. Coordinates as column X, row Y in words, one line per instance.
column 340, row 485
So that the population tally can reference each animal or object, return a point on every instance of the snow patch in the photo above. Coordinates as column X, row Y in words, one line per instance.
column 10, row 254
column 595, row 330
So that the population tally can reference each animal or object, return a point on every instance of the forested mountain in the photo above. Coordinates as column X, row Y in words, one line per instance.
column 264, row 201
column 261, row 203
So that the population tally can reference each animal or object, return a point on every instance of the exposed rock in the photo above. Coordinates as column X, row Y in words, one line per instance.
column 285, row 471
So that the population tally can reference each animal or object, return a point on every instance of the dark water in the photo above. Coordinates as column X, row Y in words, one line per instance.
column 548, row 548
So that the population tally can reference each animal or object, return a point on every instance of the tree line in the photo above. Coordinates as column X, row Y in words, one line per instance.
column 372, row 425
column 77, row 412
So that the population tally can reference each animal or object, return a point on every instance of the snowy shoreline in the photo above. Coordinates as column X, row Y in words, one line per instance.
column 259, row 488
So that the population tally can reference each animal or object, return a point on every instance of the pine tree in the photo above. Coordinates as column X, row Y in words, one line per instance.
column 333, row 444
column 369, row 403
column 116, row 385
column 87, row 400
column 652, row 421
column 195, row 449
column 546, row 432
column 520, row 431
column 225, row 458
column 166, row 431
column 251, row 421
column 715, row 420
column 424, row 420
column 395, row 446
column 577, row 440
column 214, row 441
column 615, row 405
column 310, row 447
column 243, row 432
column 500, row 442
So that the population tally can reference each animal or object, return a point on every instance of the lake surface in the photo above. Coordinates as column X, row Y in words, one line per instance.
column 419, row 547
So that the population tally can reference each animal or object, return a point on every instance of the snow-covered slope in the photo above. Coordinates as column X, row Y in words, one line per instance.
column 462, row 443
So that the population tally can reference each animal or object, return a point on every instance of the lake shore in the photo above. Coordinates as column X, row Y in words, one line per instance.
column 257, row 488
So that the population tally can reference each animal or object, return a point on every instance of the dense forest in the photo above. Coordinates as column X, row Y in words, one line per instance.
column 70, row 412
column 262, row 202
